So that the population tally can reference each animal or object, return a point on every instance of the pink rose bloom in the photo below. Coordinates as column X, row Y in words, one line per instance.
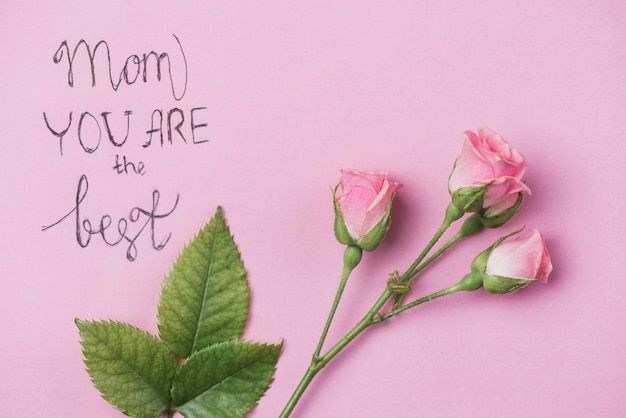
column 363, row 208
column 514, row 264
column 487, row 177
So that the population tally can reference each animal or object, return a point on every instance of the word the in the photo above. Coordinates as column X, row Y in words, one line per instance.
column 143, row 218
column 125, row 167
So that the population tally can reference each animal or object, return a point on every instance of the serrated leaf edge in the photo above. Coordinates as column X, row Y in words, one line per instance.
column 80, row 324
column 279, row 346
column 219, row 215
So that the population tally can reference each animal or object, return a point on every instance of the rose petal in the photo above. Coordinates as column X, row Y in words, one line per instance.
column 519, row 259
column 353, row 206
column 353, row 178
column 470, row 168
column 502, row 194
column 505, row 160
column 545, row 267
column 363, row 199
column 379, row 206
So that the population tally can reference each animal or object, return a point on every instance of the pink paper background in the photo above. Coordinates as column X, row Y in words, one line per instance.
column 295, row 91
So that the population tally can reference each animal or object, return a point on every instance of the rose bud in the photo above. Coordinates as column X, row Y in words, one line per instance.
column 509, row 266
column 363, row 208
column 487, row 178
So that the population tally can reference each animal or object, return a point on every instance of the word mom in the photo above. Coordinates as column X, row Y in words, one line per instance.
column 134, row 66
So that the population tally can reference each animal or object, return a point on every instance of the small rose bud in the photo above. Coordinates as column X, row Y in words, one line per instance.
column 509, row 266
column 487, row 178
column 362, row 203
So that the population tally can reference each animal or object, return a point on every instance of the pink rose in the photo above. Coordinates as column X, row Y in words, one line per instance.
column 363, row 208
column 508, row 266
column 487, row 177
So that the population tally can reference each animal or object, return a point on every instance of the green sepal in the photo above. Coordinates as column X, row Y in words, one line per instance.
column 492, row 283
column 501, row 218
column 341, row 231
column 225, row 380
column 469, row 199
column 500, row 285
column 373, row 238
column 132, row 369
column 479, row 263
column 205, row 298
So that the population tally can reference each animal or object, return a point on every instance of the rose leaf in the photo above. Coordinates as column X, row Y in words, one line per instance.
column 132, row 369
column 225, row 380
column 205, row 298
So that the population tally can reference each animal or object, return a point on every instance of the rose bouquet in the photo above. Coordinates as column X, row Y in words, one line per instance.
column 486, row 182
column 199, row 366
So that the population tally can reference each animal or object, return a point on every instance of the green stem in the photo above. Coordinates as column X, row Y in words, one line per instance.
column 297, row 394
column 351, row 258
column 469, row 283
column 452, row 289
column 452, row 214
column 437, row 254
column 371, row 318
column 470, row 226
column 318, row 363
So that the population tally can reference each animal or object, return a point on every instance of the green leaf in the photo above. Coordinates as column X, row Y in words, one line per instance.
column 132, row 369
column 205, row 297
column 225, row 380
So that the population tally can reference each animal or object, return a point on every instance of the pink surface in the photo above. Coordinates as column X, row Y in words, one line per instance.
column 295, row 91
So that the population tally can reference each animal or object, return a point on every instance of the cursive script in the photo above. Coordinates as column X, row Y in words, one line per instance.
column 135, row 66
column 143, row 218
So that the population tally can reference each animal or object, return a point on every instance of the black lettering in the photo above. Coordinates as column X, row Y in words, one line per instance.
column 135, row 216
column 127, row 74
column 121, row 167
column 105, row 115
column 194, row 126
column 61, row 134
column 153, row 129
column 177, row 128
column 88, row 149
